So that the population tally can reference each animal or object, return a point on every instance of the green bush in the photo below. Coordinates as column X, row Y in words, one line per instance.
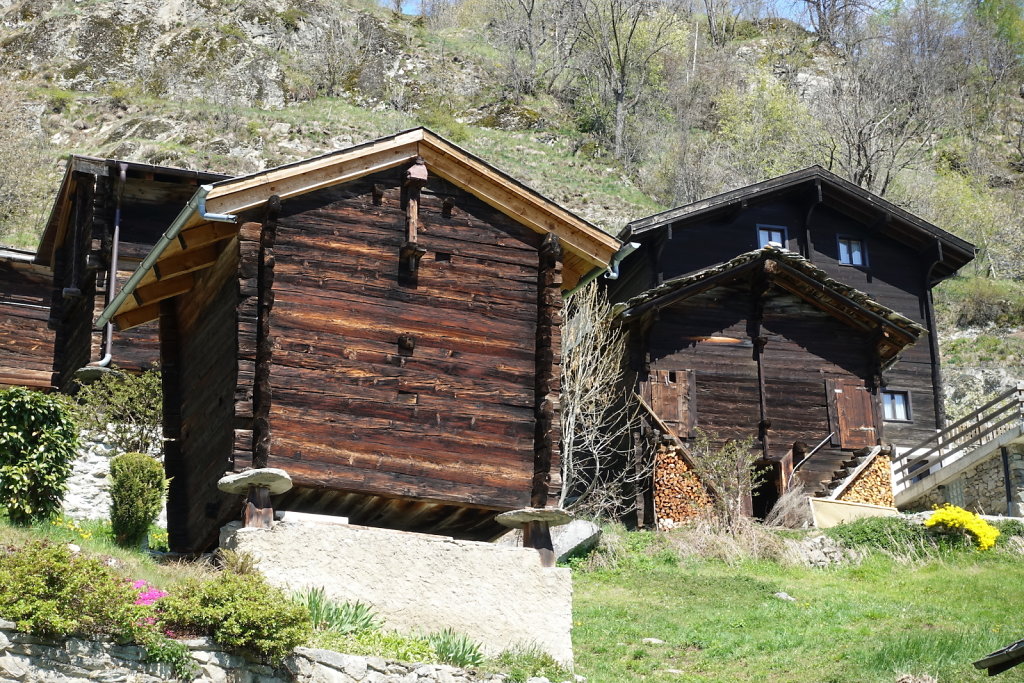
column 1010, row 528
column 240, row 611
column 47, row 590
column 137, row 489
column 892, row 534
column 124, row 410
column 455, row 648
column 523, row 663
column 38, row 445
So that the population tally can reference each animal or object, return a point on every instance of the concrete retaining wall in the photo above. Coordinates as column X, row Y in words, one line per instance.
column 498, row 595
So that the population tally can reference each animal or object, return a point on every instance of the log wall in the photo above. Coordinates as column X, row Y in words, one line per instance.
column 446, row 415
column 711, row 334
column 26, row 341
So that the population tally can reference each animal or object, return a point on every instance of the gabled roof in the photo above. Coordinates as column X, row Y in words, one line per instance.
column 796, row 275
column 214, row 210
column 79, row 165
column 890, row 219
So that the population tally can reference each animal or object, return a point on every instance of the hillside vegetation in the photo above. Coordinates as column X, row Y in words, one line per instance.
column 614, row 108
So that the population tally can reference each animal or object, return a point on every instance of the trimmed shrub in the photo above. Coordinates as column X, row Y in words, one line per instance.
column 891, row 534
column 137, row 489
column 237, row 610
column 49, row 591
column 38, row 444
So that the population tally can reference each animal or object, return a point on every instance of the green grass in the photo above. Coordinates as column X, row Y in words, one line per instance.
column 864, row 623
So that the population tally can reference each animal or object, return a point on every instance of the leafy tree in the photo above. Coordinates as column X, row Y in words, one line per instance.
column 38, row 444
column 124, row 410
column 623, row 40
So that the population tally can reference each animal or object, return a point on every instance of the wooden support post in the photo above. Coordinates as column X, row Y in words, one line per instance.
column 258, row 514
column 410, row 253
column 548, row 352
column 537, row 535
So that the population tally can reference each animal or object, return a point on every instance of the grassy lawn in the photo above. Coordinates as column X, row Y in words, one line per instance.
column 872, row 622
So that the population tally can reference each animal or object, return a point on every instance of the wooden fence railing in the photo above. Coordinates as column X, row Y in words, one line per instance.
column 1001, row 414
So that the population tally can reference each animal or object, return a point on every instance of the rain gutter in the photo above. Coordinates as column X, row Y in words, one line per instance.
column 197, row 204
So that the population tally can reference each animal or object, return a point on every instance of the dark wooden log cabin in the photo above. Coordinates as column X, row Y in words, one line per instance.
column 381, row 322
column 105, row 208
column 26, row 341
column 794, row 347
column 767, row 346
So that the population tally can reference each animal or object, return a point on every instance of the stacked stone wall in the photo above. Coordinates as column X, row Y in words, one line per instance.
column 30, row 659
column 981, row 488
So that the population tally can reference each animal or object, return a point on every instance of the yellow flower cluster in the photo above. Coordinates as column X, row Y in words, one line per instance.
column 950, row 517
column 72, row 526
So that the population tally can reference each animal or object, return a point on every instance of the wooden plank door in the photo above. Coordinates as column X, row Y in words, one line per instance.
column 670, row 395
column 851, row 413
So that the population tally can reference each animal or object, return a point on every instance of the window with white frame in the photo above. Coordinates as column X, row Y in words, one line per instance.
column 852, row 252
column 896, row 406
column 774, row 235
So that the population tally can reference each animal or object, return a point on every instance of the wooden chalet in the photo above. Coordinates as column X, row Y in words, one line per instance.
column 381, row 322
column 779, row 311
column 107, row 215
column 26, row 341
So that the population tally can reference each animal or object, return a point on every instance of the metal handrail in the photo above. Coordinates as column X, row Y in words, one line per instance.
column 812, row 452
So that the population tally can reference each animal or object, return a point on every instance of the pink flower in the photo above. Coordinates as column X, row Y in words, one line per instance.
column 147, row 594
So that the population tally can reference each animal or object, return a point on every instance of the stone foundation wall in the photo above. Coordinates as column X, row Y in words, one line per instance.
column 500, row 596
column 29, row 659
column 88, row 492
column 981, row 488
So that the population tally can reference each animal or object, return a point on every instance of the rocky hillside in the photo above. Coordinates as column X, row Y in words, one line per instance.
column 710, row 104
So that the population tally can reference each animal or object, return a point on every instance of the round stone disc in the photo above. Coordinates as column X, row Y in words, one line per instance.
column 517, row 518
column 275, row 479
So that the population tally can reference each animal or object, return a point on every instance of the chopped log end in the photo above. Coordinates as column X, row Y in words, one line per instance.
column 873, row 485
column 679, row 496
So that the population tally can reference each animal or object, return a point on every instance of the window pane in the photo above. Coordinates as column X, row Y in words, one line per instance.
column 844, row 251
column 894, row 405
column 766, row 236
column 856, row 253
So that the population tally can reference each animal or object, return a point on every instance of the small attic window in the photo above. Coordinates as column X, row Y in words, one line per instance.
column 771, row 235
column 442, row 256
column 852, row 252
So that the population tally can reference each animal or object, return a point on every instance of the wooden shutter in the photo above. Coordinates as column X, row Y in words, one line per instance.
column 670, row 395
column 851, row 414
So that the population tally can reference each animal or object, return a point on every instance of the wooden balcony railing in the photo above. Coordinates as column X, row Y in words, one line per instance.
column 1000, row 415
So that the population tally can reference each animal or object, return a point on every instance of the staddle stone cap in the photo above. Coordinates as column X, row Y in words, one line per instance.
column 275, row 479
column 517, row 518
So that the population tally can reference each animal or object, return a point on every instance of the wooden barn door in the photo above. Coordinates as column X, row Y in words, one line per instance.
column 670, row 395
column 851, row 413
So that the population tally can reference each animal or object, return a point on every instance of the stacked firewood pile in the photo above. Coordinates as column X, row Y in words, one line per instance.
column 873, row 485
column 679, row 496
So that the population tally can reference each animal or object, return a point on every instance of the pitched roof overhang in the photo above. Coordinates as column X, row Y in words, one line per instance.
column 211, row 216
column 78, row 166
column 951, row 253
column 795, row 274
